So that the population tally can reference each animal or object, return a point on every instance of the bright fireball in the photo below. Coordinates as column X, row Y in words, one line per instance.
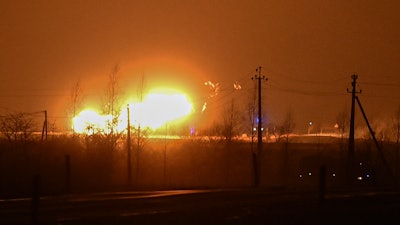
column 156, row 110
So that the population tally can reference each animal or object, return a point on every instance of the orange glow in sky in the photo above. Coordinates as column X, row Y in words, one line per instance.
column 156, row 110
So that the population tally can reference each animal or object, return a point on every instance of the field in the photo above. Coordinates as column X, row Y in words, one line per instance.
column 68, row 165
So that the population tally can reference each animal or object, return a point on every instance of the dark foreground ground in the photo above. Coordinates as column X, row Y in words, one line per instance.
column 233, row 206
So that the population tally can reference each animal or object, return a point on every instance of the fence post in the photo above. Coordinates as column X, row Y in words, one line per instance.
column 68, row 173
column 322, row 184
column 36, row 199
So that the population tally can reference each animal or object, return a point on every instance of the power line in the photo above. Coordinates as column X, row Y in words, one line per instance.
column 382, row 96
column 278, row 75
column 32, row 95
column 381, row 84
column 303, row 91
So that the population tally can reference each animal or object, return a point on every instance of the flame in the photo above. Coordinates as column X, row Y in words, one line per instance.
column 156, row 110
column 90, row 121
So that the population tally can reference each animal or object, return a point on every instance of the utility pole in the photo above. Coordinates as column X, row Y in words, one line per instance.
column 351, row 132
column 165, row 155
column 256, row 165
column 44, row 129
column 378, row 147
column 137, row 161
column 351, row 153
column 128, row 143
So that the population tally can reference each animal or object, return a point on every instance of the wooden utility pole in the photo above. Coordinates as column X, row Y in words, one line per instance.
column 44, row 129
column 351, row 150
column 165, row 155
column 128, row 143
column 256, row 164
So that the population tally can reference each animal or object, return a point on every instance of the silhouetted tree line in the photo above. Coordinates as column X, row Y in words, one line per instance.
column 98, row 157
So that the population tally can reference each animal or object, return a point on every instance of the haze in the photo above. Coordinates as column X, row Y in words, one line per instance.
column 307, row 49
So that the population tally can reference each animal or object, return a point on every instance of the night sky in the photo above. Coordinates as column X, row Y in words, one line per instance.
column 307, row 49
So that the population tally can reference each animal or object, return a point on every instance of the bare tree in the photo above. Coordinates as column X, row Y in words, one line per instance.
column 381, row 130
column 139, row 135
column 396, row 136
column 75, row 99
column 273, row 130
column 285, row 129
column 251, row 114
column 16, row 127
column 287, row 126
column 396, row 125
column 213, row 132
column 342, row 122
column 112, row 107
column 230, row 122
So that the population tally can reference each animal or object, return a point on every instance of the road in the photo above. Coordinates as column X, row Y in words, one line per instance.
column 222, row 206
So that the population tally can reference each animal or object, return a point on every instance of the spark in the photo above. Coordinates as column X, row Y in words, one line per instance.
column 214, row 88
column 237, row 86
column 214, row 91
column 204, row 107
